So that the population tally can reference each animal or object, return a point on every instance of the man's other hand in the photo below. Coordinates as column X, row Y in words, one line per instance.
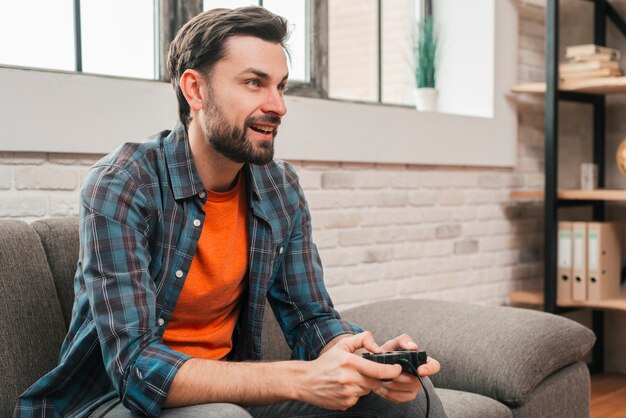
column 339, row 377
column 405, row 387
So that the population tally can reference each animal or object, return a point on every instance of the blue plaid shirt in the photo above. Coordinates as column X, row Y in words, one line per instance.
column 138, row 237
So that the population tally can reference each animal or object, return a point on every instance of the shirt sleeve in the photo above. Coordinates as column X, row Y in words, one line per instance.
column 114, row 225
column 298, row 295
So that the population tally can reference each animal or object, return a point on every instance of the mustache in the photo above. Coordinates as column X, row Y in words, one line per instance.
column 272, row 119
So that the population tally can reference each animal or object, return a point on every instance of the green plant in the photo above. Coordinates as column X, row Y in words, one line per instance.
column 425, row 53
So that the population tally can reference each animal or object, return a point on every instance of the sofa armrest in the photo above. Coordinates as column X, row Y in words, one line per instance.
column 498, row 352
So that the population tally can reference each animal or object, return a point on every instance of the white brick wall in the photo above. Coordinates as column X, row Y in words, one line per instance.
column 36, row 185
column 383, row 230
column 440, row 232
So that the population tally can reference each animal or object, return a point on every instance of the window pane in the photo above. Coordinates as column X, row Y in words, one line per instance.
column 118, row 37
column 353, row 50
column 296, row 13
column 397, row 76
column 227, row 4
column 37, row 33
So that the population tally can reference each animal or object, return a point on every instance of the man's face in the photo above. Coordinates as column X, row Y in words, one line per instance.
column 245, row 100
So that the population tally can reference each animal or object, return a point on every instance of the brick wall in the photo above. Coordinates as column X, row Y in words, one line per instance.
column 388, row 231
column 384, row 231
column 37, row 185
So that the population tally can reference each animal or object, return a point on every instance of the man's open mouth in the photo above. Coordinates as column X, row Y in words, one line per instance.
column 262, row 129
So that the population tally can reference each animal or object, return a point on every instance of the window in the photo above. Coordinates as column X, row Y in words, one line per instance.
column 113, row 37
column 370, row 52
column 353, row 50
column 45, row 29
column 117, row 37
column 113, row 110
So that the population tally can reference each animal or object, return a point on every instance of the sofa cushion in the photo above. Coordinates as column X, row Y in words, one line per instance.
column 563, row 394
column 499, row 352
column 31, row 323
column 459, row 404
column 61, row 243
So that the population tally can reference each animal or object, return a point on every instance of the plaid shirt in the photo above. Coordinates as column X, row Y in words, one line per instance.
column 138, row 235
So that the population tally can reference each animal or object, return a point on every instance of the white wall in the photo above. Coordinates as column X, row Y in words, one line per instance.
column 466, row 33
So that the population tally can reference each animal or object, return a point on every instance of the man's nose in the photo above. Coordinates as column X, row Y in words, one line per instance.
column 275, row 103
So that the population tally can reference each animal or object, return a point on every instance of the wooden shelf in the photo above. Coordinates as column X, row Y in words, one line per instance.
column 605, row 85
column 529, row 88
column 536, row 299
column 527, row 194
column 572, row 194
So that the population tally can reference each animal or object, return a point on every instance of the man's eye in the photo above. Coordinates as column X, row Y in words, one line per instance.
column 283, row 88
column 253, row 83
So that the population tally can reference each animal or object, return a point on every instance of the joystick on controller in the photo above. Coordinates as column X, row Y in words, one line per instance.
column 410, row 360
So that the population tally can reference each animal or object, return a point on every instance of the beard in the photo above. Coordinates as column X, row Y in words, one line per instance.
column 232, row 141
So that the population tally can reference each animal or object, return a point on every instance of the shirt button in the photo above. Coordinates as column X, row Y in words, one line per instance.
column 161, row 321
column 202, row 194
column 179, row 273
column 280, row 250
column 196, row 222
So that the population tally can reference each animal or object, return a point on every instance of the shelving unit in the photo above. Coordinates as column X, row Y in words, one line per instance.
column 592, row 92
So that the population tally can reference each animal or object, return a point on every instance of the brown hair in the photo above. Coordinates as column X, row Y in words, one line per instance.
column 199, row 44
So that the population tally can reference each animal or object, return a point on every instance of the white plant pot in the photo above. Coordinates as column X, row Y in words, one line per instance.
column 426, row 99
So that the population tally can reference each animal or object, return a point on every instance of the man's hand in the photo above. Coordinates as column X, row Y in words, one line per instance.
column 405, row 387
column 339, row 377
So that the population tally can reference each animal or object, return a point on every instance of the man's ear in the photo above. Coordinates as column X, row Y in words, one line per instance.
column 191, row 83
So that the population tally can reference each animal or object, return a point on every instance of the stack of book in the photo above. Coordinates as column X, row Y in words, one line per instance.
column 590, row 61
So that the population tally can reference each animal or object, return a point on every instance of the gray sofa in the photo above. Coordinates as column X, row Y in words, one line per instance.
column 496, row 361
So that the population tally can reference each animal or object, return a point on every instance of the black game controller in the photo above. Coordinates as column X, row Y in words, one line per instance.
column 410, row 360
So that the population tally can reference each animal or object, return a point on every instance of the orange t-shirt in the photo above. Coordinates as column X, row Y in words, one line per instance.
column 206, row 313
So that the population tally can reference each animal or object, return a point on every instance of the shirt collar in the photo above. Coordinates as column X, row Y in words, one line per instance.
column 184, row 177
column 249, row 169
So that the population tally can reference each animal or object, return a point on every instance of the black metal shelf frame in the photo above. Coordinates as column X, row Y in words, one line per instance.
column 602, row 11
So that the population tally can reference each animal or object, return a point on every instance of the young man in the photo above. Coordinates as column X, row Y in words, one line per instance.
column 185, row 236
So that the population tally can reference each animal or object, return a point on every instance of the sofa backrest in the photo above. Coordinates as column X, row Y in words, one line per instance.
column 31, row 322
column 61, row 243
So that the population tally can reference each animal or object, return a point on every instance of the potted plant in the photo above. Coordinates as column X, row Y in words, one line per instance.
column 425, row 64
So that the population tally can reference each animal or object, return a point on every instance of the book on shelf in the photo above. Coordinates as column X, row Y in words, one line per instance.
column 604, row 261
column 579, row 261
column 564, row 275
column 600, row 56
column 590, row 49
column 602, row 72
column 572, row 67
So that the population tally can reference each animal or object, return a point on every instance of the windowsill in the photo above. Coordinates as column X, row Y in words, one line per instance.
column 73, row 112
column 355, row 132
column 72, row 73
